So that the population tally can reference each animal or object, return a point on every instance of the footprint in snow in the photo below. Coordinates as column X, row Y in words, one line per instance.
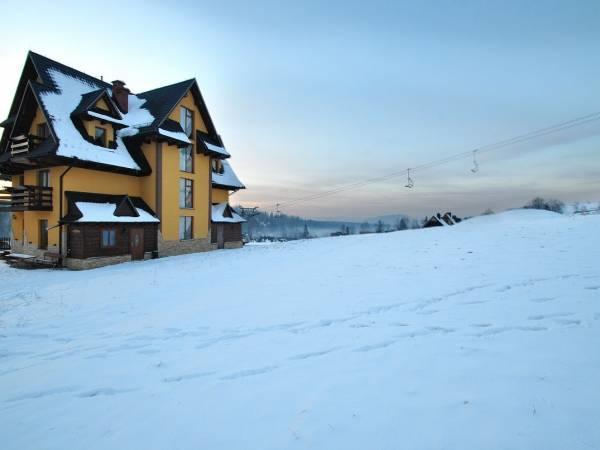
column 481, row 325
column 548, row 316
column 568, row 322
column 189, row 376
column 593, row 288
column 368, row 348
column 104, row 391
column 44, row 393
column 543, row 299
column 312, row 354
column 248, row 373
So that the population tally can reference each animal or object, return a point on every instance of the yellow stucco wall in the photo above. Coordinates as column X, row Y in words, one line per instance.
column 102, row 105
column 77, row 179
column 220, row 196
column 90, row 126
column 171, row 212
column 188, row 102
column 37, row 120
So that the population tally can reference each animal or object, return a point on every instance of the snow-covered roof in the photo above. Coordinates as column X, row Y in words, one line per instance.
column 217, row 149
column 105, row 212
column 177, row 135
column 228, row 178
column 60, row 104
column 221, row 213
column 104, row 117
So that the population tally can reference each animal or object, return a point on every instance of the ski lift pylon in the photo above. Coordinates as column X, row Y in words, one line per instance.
column 475, row 163
column 409, row 182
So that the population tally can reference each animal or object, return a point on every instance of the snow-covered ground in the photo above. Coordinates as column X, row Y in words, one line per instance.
column 480, row 336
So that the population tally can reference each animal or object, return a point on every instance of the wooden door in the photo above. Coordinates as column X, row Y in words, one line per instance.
column 136, row 243
column 220, row 236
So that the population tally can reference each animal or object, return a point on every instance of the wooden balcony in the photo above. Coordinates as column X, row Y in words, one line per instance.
column 26, row 198
column 24, row 143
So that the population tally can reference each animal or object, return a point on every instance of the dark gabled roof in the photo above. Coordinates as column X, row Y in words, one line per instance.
column 43, row 65
column 89, row 100
column 35, row 89
column 9, row 121
column 123, row 204
column 161, row 101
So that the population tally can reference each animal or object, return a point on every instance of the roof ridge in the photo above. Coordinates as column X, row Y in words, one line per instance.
column 189, row 81
column 59, row 64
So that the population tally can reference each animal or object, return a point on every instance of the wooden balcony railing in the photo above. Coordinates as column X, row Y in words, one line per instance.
column 24, row 143
column 26, row 198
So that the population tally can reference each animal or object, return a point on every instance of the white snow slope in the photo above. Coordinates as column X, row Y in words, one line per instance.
column 480, row 336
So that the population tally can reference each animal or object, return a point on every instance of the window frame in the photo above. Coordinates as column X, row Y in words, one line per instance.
column 104, row 136
column 184, row 115
column 43, row 130
column 191, row 159
column 45, row 173
column 186, row 185
column 219, row 169
column 186, row 223
column 112, row 238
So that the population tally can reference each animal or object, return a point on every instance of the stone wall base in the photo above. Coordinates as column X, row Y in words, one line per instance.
column 232, row 245
column 93, row 263
column 172, row 248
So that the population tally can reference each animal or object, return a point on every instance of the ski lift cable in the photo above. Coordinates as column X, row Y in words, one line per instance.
column 484, row 149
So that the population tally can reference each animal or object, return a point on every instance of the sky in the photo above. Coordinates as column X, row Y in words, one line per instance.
column 311, row 96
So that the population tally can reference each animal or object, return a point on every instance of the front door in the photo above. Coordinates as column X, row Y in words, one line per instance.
column 220, row 236
column 136, row 243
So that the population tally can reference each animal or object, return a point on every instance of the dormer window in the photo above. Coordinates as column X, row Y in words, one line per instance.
column 186, row 120
column 217, row 166
column 100, row 136
column 42, row 130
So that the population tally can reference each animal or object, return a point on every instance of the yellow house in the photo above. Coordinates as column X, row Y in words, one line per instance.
column 101, row 175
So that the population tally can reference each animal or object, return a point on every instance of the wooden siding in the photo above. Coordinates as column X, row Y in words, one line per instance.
column 232, row 232
column 84, row 240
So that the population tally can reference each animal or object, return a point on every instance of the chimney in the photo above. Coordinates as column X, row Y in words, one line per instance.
column 121, row 95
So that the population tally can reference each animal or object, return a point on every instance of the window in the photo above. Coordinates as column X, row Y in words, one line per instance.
column 217, row 166
column 186, row 159
column 186, row 120
column 43, row 178
column 43, row 234
column 109, row 238
column 42, row 130
column 186, row 227
column 100, row 136
column 186, row 193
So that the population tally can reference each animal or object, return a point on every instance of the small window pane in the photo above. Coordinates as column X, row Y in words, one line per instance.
column 186, row 193
column 109, row 238
column 42, row 130
column 186, row 120
column 100, row 137
column 186, row 159
column 44, row 178
column 185, row 227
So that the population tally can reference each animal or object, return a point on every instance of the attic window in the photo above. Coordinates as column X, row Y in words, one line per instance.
column 100, row 136
column 217, row 166
column 42, row 130
column 186, row 120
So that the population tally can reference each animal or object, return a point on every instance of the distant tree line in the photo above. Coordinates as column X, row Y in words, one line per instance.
column 550, row 204
column 282, row 227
